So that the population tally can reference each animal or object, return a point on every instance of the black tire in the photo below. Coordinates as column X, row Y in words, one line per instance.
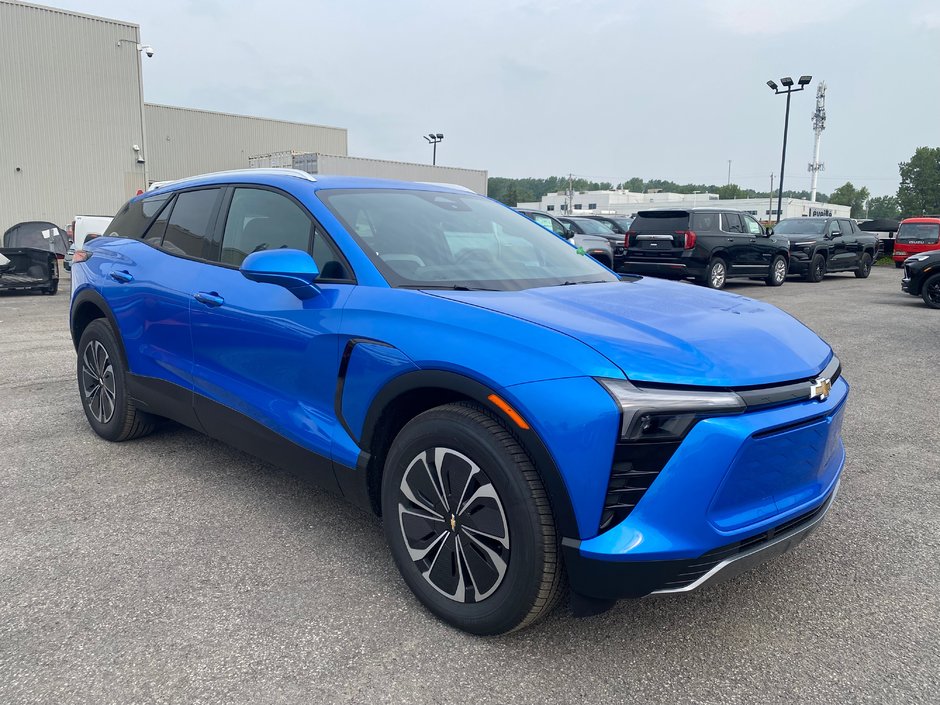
column 716, row 274
column 930, row 291
column 101, row 366
column 817, row 269
column 532, row 581
column 864, row 267
column 778, row 271
column 52, row 288
column 898, row 265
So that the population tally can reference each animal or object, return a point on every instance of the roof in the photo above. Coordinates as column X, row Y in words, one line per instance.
column 290, row 178
column 923, row 219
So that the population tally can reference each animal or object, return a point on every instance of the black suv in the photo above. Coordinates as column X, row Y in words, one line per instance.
column 709, row 245
column 821, row 245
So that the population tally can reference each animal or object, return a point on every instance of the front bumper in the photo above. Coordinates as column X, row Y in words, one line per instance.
column 738, row 490
column 610, row 580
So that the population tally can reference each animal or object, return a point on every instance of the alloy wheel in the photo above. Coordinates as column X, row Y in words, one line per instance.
column 98, row 381
column 780, row 271
column 718, row 275
column 454, row 525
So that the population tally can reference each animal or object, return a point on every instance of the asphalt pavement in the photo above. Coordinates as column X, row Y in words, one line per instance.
column 175, row 569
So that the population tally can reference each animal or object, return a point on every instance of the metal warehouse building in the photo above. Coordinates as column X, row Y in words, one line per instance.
column 76, row 137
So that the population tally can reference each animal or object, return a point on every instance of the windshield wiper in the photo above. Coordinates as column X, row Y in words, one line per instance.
column 448, row 287
column 592, row 281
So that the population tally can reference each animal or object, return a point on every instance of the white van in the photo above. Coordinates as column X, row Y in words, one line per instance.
column 81, row 229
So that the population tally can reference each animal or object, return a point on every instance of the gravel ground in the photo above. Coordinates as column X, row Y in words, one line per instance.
column 174, row 569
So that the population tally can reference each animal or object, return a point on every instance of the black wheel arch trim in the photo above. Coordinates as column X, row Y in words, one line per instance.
column 93, row 297
column 543, row 460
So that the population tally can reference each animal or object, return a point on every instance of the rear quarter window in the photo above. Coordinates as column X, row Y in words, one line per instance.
column 135, row 217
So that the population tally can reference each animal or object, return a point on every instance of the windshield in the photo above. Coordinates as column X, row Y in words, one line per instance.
column 926, row 233
column 800, row 226
column 592, row 227
column 433, row 239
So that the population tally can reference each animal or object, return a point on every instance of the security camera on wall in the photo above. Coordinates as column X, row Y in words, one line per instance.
column 148, row 50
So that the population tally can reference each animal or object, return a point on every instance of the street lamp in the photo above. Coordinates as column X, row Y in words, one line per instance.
column 787, row 83
column 433, row 139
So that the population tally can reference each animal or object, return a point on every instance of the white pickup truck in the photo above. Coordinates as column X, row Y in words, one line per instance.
column 81, row 229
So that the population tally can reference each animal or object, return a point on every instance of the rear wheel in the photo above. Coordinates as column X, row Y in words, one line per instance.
column 778, row 271
column 817, row 269
column 864, row 267
column 468, row 522
column 930, row 291
column 717, row 274
column 103, row 388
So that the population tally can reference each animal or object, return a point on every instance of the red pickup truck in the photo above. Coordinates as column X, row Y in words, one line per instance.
column 916, row 235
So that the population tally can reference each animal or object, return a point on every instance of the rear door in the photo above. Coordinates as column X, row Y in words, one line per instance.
column 742, row 255
column 853, row 248
column 259, row 351
column 149, row 284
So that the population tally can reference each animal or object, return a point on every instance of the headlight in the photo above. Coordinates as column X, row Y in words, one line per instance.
column 666, row 414
column 916, row 258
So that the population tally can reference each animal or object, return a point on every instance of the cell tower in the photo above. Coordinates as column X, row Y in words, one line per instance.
column 819, row 124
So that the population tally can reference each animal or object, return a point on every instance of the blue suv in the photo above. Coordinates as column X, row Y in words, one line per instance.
column 524, row 420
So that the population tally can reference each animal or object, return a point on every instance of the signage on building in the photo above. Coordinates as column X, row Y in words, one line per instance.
column 820, row 212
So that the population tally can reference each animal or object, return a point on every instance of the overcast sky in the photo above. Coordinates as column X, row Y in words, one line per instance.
column 605, row 89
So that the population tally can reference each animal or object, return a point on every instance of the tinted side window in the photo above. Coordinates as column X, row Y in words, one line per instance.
column 132, row 220
column 265, row 220
column 753, row 226
column 187, row 232
column 731, row 223
column 834, row 227
column 701, row 222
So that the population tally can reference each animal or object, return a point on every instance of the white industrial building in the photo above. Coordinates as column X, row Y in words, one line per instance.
column 629, row 202
column 76, row 136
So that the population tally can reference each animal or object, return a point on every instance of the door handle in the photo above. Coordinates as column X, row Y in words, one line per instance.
column 121, row 276
column 730, row 239
column 209, row 298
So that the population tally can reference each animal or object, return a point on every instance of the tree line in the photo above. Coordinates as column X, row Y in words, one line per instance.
column 918, row 194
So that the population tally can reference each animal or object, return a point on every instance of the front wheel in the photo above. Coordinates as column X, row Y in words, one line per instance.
column 468, row 522
column 778, row 271
column 930, row 291
column 817, row 269
column 717, row 274
column 898, row 265
column 864, row 267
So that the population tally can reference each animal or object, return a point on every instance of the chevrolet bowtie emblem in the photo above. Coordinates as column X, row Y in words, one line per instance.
column 820, row 389
column 453, row 523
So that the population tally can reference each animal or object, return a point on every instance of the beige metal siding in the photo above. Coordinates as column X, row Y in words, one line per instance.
column 184, row 142
column 69, row 114
column 473, row 179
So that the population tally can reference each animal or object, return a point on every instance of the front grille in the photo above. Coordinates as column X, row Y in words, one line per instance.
column 635, row 467
column 707, row 561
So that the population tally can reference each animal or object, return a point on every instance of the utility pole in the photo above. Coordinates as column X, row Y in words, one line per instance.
column 570, row 194
column 729, row 172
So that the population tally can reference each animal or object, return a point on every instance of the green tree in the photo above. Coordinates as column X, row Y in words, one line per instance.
column 848, row 195
column 919, row 193
column 730, row 191
column 884, row 207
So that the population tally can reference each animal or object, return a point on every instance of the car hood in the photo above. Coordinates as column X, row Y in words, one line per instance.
column 668, row 332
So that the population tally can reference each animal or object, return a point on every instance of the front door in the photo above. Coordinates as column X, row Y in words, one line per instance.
column 266, row 362
column 741, row 252
column 839, row 257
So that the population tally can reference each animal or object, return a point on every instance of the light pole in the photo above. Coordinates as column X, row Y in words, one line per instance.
column 433, row 139
column 788, row 89
column 148, row 50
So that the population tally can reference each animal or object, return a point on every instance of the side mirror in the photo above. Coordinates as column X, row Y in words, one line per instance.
column 569, row 233
column 769, row 232
column 292, row 269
